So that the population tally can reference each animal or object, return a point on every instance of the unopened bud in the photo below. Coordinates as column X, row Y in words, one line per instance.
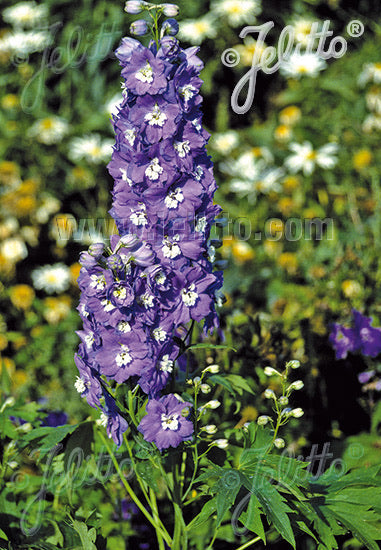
column 134, row 7
column 297, row 413
column 269, row 371
column 205, row 388
column 269, row 394
column 263, row 420
column 210, row 429
column 294, row 364
column 213, row 404
column 213, row 369
column 139, row 27
column 222, row 443
column 170, row 10
column 283, row 400
column 297, row 385
column 279, row 443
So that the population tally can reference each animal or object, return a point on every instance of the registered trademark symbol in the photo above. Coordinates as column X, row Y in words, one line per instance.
column 355, row 28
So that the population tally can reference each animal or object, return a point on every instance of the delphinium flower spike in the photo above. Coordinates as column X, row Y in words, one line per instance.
column 156, row 276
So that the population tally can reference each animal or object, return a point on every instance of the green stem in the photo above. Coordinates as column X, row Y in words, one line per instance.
column 155, row 511
column 131, row 493
column 194, row 472
column 249, row 543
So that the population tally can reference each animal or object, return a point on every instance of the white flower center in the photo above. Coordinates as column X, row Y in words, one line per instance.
column 89, row 340
column 125, row 177
column 197, row 125
column 139, row 217
column 173, row 198
column 123, row 357
column 103, row 420
column 187, row 91
column 159, row 334
column 145, row 74
column 107, row 305
column 160, row 278
column 156, row 117
column 166, row 365
column 147, row 300
column 120, row 292
column 154, row 169
column 170, row 249
column 130, row 136
column 201, row 225
column 182, row 148
column 198, row 173
column 123, row 326
column 189, row 296
column 169, row 422
column 98, row 282
column 80, row 385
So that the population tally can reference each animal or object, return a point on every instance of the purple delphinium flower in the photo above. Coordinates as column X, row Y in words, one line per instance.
column 164, row 423
column 364, row 377
column 362, row 337
column 157, row 275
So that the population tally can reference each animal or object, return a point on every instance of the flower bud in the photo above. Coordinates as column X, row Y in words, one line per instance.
column 297, row 413
column 297, row 385
column 96, row 250
column 283, row 400
column 210, row 429
column 213, row 404
column 134, row 6
column 139, row 27
column 86, row 260
column 294, row 364
column 279, row 443
column 263, row 420
column 213, row 369
column 269, row 394
column 222, row 443
column 170, row 27
column 170, row 10
column 205, row 388
column 269, row 371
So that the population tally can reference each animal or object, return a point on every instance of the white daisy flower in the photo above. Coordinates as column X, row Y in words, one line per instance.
column 24, row 43
column 305, row 158
column 91, row 148
column 13, row 250
column 300, row 64
column 51, row 278
column 372, row 122
column 49, row 130
column 24, row 14
column 49, row 205
column 225, row 142
column 371, row 73
column 196, row 30
column 237, row 12
column 302, row 29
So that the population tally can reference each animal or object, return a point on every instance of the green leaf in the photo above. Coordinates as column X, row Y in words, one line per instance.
column 275, row 508
column 238, row 382
column 207, row 510
column 252, row 518
column 81, row 438
column 87, row 536
column 57, row 538
column 376, row 418
column 226, row 490
column 148, row 473
column 48, row 437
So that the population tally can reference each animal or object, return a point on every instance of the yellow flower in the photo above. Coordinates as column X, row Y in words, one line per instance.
column 290, row 183
column 19, row 378
column 317, row 272
column 74, row 273
column 283, row 132
column 21, row 296
column 289, row 262
column 290, row 115
column 8, row 364
column 286, row 205
column 362, row 159
column 351, row 289
column 9, row 101
column 62, row 228
column 247, row 51
column 9, row 173
column 272, row 248
column 242, row 252
column 56, row 309
column 248, row 414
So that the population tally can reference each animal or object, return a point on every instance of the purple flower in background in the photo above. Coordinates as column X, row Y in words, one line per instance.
column 164, row 423
column 157, row 275
column 364, row 377
column 362, row 337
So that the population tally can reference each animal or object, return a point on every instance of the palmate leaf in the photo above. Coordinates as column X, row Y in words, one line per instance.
column 207, row 510
column 275, row 507
column 252, row 517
